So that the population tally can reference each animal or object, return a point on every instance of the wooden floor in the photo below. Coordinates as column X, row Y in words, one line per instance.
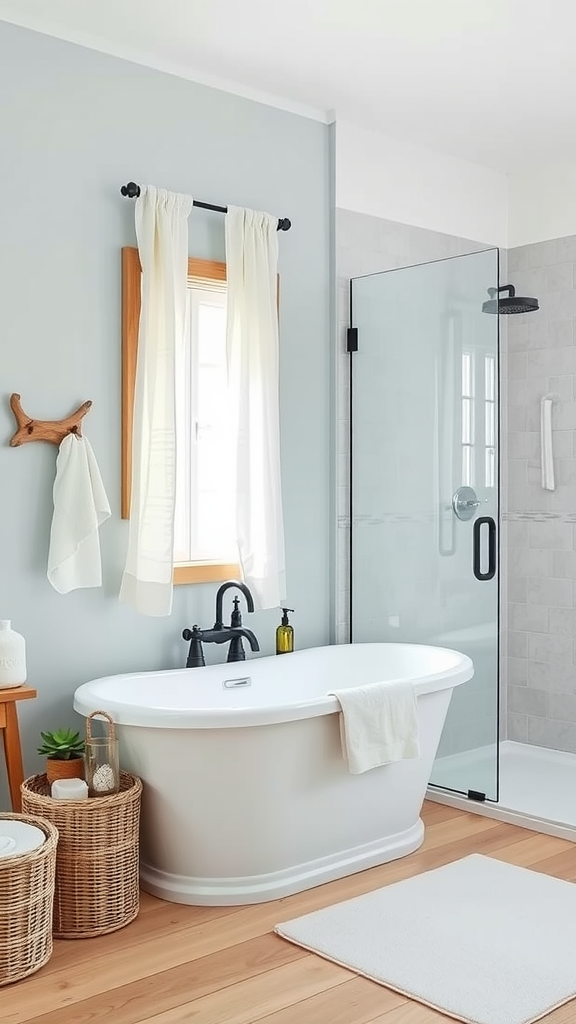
column 223, row 965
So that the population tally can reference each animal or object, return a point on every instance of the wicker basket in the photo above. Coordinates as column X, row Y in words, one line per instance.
column 26, row 893
column 97, row 877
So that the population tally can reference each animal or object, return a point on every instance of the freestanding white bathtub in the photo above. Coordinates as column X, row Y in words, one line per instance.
column 247, row 796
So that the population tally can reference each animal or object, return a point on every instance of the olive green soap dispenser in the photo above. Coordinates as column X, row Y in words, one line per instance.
column 285, row 634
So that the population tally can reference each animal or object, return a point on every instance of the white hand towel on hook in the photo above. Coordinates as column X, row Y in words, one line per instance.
column 80, row 507
column 546, row 451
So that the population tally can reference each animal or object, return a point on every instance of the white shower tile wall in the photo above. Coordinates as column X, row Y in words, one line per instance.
column 541, row 525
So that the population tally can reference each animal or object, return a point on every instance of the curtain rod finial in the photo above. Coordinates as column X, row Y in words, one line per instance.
column 131, row 190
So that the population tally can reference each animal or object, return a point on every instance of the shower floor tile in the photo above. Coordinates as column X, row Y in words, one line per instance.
column 534, row 781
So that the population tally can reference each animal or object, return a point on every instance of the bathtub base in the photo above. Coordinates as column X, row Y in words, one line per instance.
column 227, row 892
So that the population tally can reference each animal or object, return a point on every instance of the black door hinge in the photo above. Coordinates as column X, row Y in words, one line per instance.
column 473, row 794
column 352, row 339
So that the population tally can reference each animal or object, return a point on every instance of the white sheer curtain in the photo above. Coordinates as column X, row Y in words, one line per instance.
column 162, row 232
column 253, row 357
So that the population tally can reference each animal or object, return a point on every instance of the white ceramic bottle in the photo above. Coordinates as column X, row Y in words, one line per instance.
column 12, row 656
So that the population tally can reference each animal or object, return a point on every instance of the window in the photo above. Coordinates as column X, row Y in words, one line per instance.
column 490, row 421
column 205, row 525
column 473, row 364
column 467, row 419
column 204, row 544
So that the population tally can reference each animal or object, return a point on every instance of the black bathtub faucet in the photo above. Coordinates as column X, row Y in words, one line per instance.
column 238, row 585
column 220, row 634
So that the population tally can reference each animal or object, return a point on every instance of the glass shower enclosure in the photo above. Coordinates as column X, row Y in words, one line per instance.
column 424, row 488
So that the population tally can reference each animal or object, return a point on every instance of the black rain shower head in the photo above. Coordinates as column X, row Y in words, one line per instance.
column 511, row 304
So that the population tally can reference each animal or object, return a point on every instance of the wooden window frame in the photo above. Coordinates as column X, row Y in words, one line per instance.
column 205, row 572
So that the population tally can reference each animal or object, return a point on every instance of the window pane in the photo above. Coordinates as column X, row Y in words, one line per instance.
column 490, row 467
column 490, row 374
column 215, row 527
column 466, row 374
column 466, row 465
column 466, row 421
column 489, row 414
column 211, row 334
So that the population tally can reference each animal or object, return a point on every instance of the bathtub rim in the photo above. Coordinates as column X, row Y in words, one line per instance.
column 223, row 717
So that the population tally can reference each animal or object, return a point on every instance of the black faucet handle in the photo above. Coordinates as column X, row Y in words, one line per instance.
column 236, row 617
column 191, row 634
column 195, row 657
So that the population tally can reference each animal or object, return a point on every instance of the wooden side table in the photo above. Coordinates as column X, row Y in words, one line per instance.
column 11, row 737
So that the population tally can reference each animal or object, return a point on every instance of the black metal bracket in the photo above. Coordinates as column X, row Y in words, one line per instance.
column 352, row 339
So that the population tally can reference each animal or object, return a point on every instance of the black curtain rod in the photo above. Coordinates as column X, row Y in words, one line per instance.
column 132, row 191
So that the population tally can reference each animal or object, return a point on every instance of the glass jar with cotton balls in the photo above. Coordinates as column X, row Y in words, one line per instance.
column 101, row 757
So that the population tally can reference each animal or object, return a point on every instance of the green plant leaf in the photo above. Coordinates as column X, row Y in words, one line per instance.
column 62, row 744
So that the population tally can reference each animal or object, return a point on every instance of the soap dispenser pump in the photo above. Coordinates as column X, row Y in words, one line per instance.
column 285, row 634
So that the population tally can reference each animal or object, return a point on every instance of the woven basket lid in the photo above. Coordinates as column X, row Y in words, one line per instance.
column 18, row 837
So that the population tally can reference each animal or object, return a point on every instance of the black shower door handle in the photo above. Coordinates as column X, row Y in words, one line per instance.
column 491, row 571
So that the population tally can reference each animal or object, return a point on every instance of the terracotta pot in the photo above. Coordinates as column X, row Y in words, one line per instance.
column 71, row 769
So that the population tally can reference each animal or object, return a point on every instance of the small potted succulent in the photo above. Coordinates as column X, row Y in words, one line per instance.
column 64, row 752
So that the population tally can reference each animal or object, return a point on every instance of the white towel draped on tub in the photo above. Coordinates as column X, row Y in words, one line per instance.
column 80, row 507
column 378, row 724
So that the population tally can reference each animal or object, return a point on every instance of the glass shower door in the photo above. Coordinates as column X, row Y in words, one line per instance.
column 424, row 487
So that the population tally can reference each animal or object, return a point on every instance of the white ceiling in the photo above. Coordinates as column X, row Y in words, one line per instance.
column 491, row 81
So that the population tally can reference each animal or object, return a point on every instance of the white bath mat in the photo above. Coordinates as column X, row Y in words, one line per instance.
column 483, row 941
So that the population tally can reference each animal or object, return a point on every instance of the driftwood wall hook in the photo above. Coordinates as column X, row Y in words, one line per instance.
column 53, row 431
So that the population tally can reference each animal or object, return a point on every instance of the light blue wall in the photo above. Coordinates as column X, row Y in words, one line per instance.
column 75, row 125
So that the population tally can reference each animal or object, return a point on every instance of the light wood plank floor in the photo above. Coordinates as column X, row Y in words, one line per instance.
column 223, row 965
